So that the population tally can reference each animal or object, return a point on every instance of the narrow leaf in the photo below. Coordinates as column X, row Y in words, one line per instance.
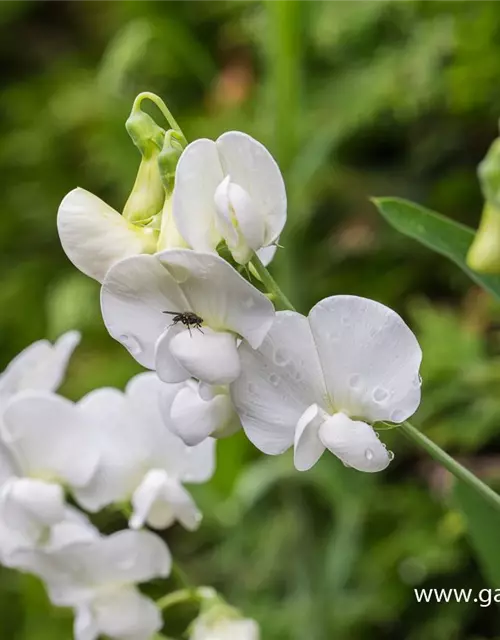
column 445, row 236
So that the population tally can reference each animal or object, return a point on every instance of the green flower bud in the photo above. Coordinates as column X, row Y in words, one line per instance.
column 145, row 133
column 484, row 253
column 489, row 175
column 148, row 195
column 169, row 157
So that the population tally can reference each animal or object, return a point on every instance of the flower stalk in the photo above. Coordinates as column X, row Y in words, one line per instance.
column 273, row 289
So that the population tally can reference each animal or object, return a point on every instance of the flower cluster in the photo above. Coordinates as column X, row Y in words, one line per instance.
column 220, row 359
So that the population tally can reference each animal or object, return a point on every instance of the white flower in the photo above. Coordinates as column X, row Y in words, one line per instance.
column 318, row 382
column 230, row 189
column 211, row 626
column 194, row 411
column 41, row 366
column 140, row 459
column 94, row 236
column 137, row 292
column 97, row 577
column 45, row 447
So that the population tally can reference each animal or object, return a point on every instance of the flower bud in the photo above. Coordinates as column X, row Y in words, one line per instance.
column 489, row 175
column 169, row 157
column 147, row 196
column 484, row 252
column 219, row 621
column 144, row 131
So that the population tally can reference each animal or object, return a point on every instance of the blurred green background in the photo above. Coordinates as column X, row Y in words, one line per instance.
column 354, row 99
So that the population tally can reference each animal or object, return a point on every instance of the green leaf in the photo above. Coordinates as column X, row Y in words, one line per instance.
column 483, row 528
column 447, row 237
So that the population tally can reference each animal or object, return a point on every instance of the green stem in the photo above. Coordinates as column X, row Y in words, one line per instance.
column 451, row 464
column 271, row 284
column 180, row 577
column 147, row 95
column 178, row 597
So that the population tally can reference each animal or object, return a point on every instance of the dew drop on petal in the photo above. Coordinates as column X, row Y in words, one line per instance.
column 355, row 381
column 345, row 320
column 251, row 388
column 369, row 454
column 131, row 343
column 379, row 394
column 281, row 357
column 391, row 455
column 249, row 303
column 417, row 381
column 274, row 379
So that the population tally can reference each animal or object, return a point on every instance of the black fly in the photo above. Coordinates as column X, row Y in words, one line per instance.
column 187, row 318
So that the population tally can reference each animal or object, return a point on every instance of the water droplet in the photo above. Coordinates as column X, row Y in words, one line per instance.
column 379, row 394
column 281, row 357
column 298, row 376
column 391, row 455
column 333, row 337
column 397, row 416
column 369, row 454
column 274, row 379
column 131, row 343
column 348, row 466
column 417, row 381
column 249, row 303
column 251, row 388
column 377, row 434
column 355, row 381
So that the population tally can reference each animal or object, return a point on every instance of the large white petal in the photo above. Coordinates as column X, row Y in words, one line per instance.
column 85, row 626
column 193, row 418
column 197, row 176
column 125, row 614
column 251, row 166
column 49, row 439
column 278, row 382
column 119, row 435
column 355, row 443
column 369, row 356
column 95, row 236
column 211, row 356
column 160, row 500
column 7, row 464
column 135, row 293
column 146, row 392
column 41, row 366
column 219, row 295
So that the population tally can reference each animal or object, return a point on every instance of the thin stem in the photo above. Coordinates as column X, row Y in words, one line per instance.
column 178, row 574
column 451, row 464
column 147, row 95
column 271, row 284
column 178, row 597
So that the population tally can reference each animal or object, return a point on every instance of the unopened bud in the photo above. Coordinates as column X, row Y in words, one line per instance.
column 484, row 253
column 489, row 175
column 148, row 195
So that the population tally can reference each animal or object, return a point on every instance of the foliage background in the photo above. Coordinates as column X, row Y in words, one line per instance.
column 355, row 99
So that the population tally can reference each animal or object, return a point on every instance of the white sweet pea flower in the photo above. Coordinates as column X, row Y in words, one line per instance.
column 194, row 411
column 94, row 235
column 137, row 292
column 318, row 382
column 223, row 624
column 230, row 189
column 140, row 459
column 98, row 578
column 41, row 366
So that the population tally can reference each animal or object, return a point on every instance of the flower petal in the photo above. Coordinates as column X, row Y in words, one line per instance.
column 168, row 368
column 278, row 383
column 85, row 626
column 49, row 439
column 135, row 293
column 194, row 419
column 308, row 448
column 126, row 614
column 118, row 437
column 160, row 500
column 187, row 464
column 251, row 166
column 355, row 443
column 210, row 356
column 197, row 176
column 370, row 358
column 41, row 366
column 95, row 236
column 219, row 295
